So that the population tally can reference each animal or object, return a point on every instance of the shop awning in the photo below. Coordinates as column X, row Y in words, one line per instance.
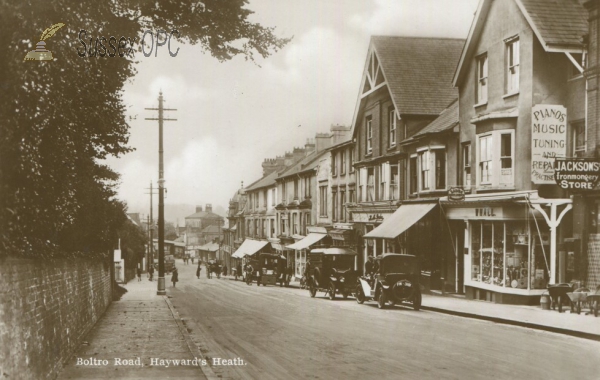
column 340, row 234
column 309, row 240
column 338, row 251
column 249, row 247
column 401, row 220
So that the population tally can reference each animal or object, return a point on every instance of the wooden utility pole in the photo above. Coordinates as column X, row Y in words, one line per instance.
column 150, row 229
column 161, row 193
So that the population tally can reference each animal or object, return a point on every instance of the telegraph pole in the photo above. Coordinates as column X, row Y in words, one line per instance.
column 161, row 193
column 151, row 230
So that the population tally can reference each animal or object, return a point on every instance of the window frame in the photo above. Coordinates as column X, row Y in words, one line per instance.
column 413, row 169
column 370, row 185
column 323, row 200
column 482, row 79
column 369, row 134
column 333, row 164
column 342, row 162
column 394, row 185
column 424, row 169
column 496, row 178
column 466, row 157
column 391, row 127
column 574, row 128
column 512, row 68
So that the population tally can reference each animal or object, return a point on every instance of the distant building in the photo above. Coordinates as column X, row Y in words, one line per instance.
column 196, row 223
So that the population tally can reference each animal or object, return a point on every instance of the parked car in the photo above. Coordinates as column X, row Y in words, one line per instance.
column 331, row 270
column 214, row 266
column 169, row 264
column 397, row 281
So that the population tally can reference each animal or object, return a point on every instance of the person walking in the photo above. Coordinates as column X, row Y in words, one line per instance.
column 139, row 273
column 198, row 270
column 151, row 272
column 174, row 276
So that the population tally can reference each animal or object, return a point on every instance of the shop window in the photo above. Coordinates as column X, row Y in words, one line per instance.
column 482, row 79
column 512, row 66
column 513, row 254
column 466, row 154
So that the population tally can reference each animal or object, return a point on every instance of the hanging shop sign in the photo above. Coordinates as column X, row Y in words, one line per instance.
column 456, row 194
column 576, row 173
column 548, row 140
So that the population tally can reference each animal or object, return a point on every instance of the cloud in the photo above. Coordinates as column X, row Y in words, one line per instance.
column 433, row 18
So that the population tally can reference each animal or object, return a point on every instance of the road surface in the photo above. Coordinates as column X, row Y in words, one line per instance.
column 282, row 333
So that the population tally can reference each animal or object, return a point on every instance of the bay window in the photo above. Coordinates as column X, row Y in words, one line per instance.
column 394, row 180
column 392, row 127
column 370, row 184
column 495, row 159
column 413, row 175
column 424, row 164
column 440, row 169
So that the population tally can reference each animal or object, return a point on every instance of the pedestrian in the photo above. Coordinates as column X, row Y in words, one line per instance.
column 224, row 270
column 151, row 272
column 192, row 259
column 198, row 270
column 174, row 276
column 139, row 273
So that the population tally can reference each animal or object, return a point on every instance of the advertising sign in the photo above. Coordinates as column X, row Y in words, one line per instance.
column 456, row 194
column 548, row 140
column 576, row 173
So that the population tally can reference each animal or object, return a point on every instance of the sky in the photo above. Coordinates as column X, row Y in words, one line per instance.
column 233, row 115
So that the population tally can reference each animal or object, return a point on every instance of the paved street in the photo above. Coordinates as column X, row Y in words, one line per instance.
column 282, row 333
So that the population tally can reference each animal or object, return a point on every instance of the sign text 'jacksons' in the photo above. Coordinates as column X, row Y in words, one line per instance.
column 576, row 173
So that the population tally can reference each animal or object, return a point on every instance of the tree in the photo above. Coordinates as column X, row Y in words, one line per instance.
column 59, row 119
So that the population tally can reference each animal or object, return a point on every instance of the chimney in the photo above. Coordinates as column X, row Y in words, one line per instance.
column 309, row 147
column 299, row 153
column 208, row 207
column 323, row 141
column 339, row 134
column 198, row 208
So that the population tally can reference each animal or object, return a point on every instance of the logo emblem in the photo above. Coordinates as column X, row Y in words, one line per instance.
column 41, row 53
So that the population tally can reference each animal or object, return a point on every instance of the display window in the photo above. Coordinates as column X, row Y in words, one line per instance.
column 510, row 254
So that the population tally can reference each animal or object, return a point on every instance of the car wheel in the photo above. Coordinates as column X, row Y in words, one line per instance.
column 417, row 301
column 360, row 296
column 312, row 290
column 332, row 292
column 381, row 300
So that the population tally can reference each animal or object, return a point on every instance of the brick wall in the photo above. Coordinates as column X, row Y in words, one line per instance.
column 46, row 308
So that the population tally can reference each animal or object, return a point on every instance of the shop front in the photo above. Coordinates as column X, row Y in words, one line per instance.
column 511, row 244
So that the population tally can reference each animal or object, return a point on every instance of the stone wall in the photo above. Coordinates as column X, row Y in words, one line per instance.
column 46, row 308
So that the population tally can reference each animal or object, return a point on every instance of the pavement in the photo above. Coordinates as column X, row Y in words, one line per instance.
column 140, row 335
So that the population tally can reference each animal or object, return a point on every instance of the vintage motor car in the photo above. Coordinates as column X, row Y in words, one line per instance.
column 396, row 282
column 213, row 266
column 331, row 270
column 271, row 268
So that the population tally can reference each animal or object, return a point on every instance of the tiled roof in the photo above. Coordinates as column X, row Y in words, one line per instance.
column 307, row 163
column 204, row 214
column 557, row 23
column 419, row 71
column 211, row 230
column 268, row 180
column 447, row 119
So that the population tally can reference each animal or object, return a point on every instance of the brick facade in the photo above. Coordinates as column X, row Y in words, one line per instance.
column 46, row 308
